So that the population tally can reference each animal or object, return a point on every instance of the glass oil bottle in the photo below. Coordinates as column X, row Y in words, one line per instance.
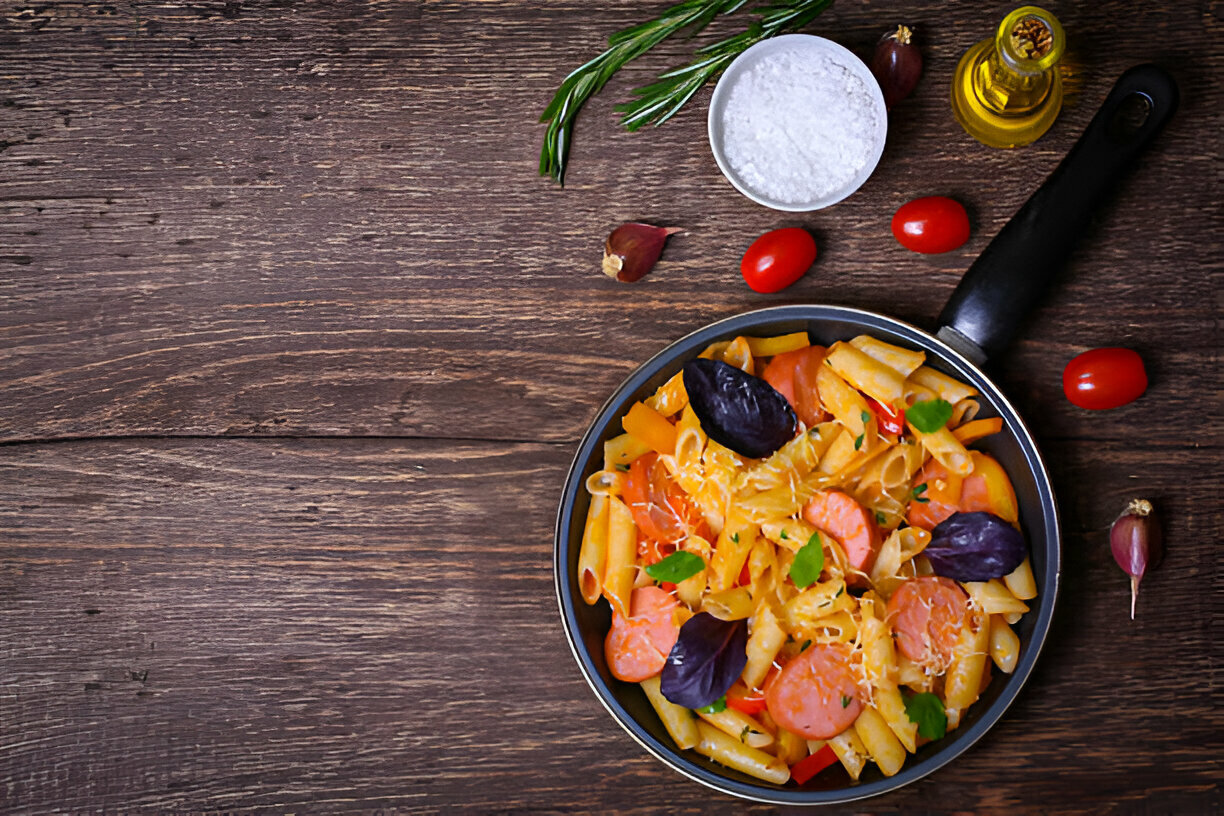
column 1006, row 91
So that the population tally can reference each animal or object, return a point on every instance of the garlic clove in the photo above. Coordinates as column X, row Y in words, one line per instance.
column 633, row 249
column 1135, row 542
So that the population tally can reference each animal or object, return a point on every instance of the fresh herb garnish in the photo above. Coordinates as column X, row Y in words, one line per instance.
column 926, row 710
column 748, row 729
column 676, row 567
column 808, row 563
column 806, row 644
column 858, row 441
column 783, row 536
column 840, row 590
column 881, row 519
column 918, row 491
column 707, row 659
column 622, row 468
column 735, row 538
column 929, row 416
column 715, row 707
column 659, row 101
column 815, row 432
column 846, row 701
column 865, row 416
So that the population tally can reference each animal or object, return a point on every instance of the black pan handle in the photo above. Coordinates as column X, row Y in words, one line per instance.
column 1006, row 281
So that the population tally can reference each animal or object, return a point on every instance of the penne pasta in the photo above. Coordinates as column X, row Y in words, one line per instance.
column 875, row 379
column 620, row 451
column 730, row 604
column 947, row 449
column 1004, row 645
column 593, row 555
column 678, row 720
column 849, row 749
column 747, row 521
column 904, row 361
column 946, row 387
column 780, row 344
column 765, row 638
column 846, row 405
column 621, row 568
column 736, row 723
column 1020, row 582
column 729, row 751
column 879, row 741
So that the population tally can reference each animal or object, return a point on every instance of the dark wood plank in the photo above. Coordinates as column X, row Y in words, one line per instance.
column 339, row 626
column 325, row 218
column 277, row 219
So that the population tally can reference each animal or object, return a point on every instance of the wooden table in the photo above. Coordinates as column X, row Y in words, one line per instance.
column 297, row 348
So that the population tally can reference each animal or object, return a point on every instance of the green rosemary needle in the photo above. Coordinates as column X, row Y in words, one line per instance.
column 660, row 101
column 623, row 47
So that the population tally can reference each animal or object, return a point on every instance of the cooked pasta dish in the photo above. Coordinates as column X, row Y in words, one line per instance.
column 807, row 561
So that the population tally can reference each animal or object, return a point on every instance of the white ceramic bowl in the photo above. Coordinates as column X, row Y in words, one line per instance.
column 815, row 49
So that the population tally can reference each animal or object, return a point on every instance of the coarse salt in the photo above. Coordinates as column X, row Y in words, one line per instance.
column 800, row 125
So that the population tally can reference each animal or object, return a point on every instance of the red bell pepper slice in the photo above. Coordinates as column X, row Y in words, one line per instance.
column 891, row 421
column 809, row 766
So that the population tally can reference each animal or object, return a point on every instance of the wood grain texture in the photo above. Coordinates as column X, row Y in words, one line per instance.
column 295, row 348
column 334, row 626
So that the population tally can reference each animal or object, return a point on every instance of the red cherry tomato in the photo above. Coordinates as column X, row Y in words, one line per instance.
column 1104, row 378
column 778, row 258
column 931, row 225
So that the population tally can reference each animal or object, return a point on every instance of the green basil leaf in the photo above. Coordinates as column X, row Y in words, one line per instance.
column 920, row 489
column 713, row 708
column 676, row 567
column 808, row 563
column 926, row 710
column 930, row 415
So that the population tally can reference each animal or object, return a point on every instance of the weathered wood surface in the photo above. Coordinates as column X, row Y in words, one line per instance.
column 273, row 228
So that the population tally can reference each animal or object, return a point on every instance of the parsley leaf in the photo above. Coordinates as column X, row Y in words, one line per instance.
column 920, row 489
column 881, row 519
column 858, row 441
column 866, row 417
column 806, row 644
column 926, row 710
column 846, row 701
column 808, row 563
column 713, row 708
column 735, row 538
column 623, row 468
column 676, row 567
column 748, row 729
column 929, row 416
column 784, row 535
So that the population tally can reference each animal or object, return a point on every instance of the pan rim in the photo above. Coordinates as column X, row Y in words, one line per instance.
column 986, row 719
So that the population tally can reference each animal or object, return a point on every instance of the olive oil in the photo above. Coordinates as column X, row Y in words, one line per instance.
column 1006, row 91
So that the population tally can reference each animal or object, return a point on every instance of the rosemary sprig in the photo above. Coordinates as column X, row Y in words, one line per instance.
column 623, row 47
column 660, row 101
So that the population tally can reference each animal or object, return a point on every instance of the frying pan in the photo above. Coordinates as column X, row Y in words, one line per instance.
column 983, row 313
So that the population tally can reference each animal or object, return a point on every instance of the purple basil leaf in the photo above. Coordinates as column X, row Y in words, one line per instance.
column 975, row 547
column 738, row 410
column 709, row 656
